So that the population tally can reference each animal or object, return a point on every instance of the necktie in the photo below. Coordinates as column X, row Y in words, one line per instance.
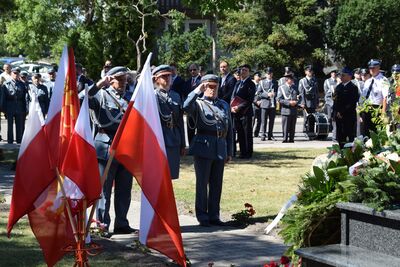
column 370, row 89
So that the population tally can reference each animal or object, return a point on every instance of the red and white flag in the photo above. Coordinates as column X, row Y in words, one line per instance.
column 80, row 162
column 35, row 184
column 139, row 146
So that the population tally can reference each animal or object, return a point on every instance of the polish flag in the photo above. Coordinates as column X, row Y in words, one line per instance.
column 139, row 146
column 80, row 162
column 35, row 184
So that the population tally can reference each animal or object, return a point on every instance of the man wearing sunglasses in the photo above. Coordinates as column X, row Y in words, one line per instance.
column 190, row 85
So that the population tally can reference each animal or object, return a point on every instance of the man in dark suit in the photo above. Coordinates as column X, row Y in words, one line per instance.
column 344, row 108
column 178, row 84
column 226, row 82
column 242, row 112
column 190, row 85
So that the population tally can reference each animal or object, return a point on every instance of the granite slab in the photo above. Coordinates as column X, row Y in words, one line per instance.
column 345, row 256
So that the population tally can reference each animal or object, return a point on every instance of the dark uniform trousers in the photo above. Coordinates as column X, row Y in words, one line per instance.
column 107, row 118
column 267, row 116
column 256, row 120
column 210, row 147
column 122, row 199
column 288, row 127
column 243, row 126
column 346, row 128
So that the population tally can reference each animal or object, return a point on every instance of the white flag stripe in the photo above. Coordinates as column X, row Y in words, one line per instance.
column 146, row 218
column 146, row 103
column 58, row 90
column 33, row 125
column 82, row 126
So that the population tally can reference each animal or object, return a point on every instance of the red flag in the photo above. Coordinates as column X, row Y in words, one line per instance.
column 140, row 148
column 80, row 162
column 46, row 212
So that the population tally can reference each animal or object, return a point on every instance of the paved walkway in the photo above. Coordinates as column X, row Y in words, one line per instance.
column 224, row 246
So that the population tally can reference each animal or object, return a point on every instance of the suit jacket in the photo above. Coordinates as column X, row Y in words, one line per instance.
column 309, row 92
column 346, row 98
column 82, row 81
column 225, row 89
column 264, row 88
column 218, row 111
column 178, row 85
column 189, row 87
column 285, row 95
column 245, row 90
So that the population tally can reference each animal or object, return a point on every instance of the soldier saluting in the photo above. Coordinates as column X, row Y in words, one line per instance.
column 108, row 103
column 211, row 147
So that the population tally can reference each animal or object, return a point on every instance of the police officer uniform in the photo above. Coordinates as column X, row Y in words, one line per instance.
column 344, row 109
column 308, row 89
column 211, row 147
column 107, row 107
column 287, row 93
column 40, row 91
column 50, row 83
column 14, row 96
column 171, row 117
column 267, row 104
column 256, row 109
column 375, row 92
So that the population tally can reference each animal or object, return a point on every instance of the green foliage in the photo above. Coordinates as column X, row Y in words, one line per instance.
column 184, row 48
column 366, row 29
column 273, row 33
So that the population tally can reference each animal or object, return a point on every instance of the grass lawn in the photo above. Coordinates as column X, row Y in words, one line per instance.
column 266, row 181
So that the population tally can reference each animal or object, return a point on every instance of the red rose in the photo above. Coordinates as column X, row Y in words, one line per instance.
column 285, row 260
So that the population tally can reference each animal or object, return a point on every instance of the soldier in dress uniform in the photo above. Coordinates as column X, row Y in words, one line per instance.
column 344, row 108
column 40, row 91
column 14, row 95
column 211, row 147
column 108, row 104
column 256, row 106
column 375, row 93
column 308, row 89
column 171, row 117
column 289, row 99
column 266, row 96
column 52, row 79
column 329, row 89
column 288, row 70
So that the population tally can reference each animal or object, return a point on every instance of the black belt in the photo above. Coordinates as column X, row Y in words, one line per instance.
column 219, row 134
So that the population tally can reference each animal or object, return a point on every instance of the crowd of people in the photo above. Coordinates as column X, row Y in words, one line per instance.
column 233, row 107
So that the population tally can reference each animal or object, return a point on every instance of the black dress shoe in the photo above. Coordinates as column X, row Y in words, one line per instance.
column 106, row 234
column 263, row 139
column 204, row 223
column 217, row 222
column 124, row 230
column 285, row 141
column 291, row 141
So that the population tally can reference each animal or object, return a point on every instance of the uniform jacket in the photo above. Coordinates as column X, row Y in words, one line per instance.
column 82, row 82
column 171, row 117
column 211, row 116
column 285, row 95
column 263, row 89
column 329, row 88
column 107, row 108
column 14, row 97
column 226, row 88
column 309, row 92
column 245, row 90
column 346, row 98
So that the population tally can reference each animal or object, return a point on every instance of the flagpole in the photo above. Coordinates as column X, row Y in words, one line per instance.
column 102, row 181
column 71, row 219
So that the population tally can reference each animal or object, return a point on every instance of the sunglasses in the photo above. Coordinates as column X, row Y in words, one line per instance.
column 212, row 86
